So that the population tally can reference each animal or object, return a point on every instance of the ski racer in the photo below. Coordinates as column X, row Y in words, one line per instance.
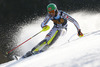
column 59, row 19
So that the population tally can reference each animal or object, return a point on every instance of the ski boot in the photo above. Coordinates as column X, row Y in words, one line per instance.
column 29, row 53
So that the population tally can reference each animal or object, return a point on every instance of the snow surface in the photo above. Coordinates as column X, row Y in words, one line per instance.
column 68, row 51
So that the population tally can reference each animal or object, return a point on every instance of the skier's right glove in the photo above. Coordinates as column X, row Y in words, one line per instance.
column 80, row 34
column 45, row 28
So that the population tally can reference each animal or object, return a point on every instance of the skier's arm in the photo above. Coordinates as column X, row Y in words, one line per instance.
column 68, row 17
column 46, row 20
column 44, row 24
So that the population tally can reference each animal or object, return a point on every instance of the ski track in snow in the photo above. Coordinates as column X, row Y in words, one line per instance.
column 77, row 52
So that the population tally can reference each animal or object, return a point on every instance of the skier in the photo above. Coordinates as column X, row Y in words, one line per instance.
column 59, row 19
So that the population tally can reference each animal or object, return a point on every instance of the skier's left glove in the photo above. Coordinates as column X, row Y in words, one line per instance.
column 80, row 34
column 45, row 28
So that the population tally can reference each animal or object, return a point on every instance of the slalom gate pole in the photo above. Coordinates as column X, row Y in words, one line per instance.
column 23, row 42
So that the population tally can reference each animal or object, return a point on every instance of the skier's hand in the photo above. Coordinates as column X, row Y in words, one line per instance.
column 80, row 34
column 45, row 28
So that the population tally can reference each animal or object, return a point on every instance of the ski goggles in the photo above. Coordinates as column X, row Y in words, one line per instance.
column 51, row 11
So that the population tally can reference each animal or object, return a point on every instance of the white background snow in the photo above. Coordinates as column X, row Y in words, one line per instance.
column 68, row 51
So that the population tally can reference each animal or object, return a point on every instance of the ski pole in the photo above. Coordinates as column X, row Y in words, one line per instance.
column 71, row 37
column 23, row 42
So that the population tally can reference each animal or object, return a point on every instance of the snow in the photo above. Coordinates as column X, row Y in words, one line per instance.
column 69, row 50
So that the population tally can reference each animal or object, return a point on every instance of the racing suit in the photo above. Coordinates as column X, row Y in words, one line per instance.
column 60, row 22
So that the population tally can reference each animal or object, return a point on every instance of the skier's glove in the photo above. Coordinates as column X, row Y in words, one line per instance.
column 45, row 28
column 80, row 34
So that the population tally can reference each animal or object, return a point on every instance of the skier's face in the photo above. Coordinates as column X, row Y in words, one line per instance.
column 52, row 13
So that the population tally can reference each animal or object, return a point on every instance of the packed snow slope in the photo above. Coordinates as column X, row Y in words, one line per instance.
column 69, row 50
